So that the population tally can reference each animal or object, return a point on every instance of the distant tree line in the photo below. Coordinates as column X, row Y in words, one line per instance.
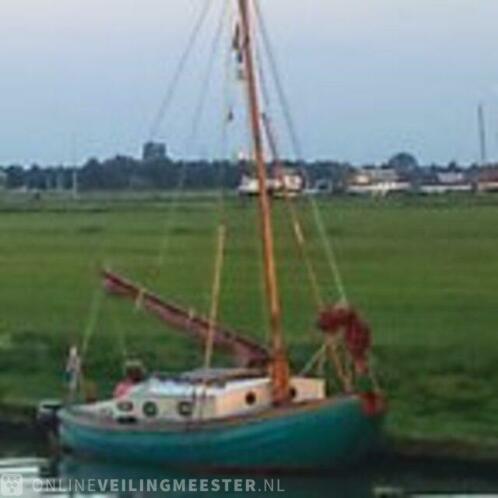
column 125, row 173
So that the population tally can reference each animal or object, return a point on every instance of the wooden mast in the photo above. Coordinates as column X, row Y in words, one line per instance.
column 280, row 371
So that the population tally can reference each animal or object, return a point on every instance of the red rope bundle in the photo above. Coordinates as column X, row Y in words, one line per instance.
column 357, row 334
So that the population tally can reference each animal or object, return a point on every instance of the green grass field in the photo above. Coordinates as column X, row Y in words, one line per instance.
column 424, row 272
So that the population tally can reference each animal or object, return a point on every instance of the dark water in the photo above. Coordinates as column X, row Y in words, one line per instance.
column 23, row 457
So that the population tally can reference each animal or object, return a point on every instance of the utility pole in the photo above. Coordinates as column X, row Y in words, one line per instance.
column 75, row 182
column 74, row 173
column 59, row 182
column 482, row 135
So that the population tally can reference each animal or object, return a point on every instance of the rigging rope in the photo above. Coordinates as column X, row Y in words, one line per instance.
column 222, row 228
column 171, row 90
column 182, row 176
column 95, row 307
column 278, row 81
column 330, row 346
column 295, row 221
column 227, row 104
column 329, row 252
column 215, row 295
column 97, row 300
column 121, row 338
column 91, row 326
column 98, row 297
column 201, row 102
column 325, row 240
column 315, row 359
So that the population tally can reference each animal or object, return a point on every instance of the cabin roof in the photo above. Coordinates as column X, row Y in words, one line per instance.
column 201, row 381
column 186, row 388
column 220, row 374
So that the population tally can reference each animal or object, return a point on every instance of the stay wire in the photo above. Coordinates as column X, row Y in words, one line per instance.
column 296, row 224
column 98, row 297
column 329, row 249
column 222, row 231
column 206, row 81
column 278, row 81
column 318, row 358
column 93, row 316
column 182, row 174
column 96, row 302
column 172, row 87
column 228, row 98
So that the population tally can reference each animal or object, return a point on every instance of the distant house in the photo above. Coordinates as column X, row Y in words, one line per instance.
column 292, row 183
column 154, row 151
column 487, row 179
column 249, row 186
column 440, row 181
column 451, row 177
column 377, row 182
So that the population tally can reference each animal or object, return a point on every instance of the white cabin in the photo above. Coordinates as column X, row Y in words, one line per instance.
column 380, row 189
column 201, row 396
column 291, row 183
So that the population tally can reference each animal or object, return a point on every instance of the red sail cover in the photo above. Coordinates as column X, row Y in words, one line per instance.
column 246, row 353
column 357, row 333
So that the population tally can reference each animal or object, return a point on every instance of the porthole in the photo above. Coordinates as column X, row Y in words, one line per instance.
column 185, row 408
column 150, row 409
column 106, row 412
column 125, row 406
column 251, row 398
column 293, row 393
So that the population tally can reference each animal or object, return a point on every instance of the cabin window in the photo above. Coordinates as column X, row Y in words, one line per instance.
column 293, row 393
column 251, row 398
column 125, row 406
column 185, row 408
column 150, row 409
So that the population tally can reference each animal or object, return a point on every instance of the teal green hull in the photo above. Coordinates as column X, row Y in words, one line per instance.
column 330, row 434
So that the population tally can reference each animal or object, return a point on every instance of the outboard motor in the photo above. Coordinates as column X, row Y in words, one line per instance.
column 47, row 416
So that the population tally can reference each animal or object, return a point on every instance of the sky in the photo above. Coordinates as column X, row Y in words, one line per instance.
column 365, row 78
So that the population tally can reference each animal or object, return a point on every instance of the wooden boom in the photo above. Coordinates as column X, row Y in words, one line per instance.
column 245, row 352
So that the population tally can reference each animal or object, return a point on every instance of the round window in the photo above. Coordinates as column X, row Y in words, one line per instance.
column 185, row 408
column 150, row 409
column 251, row 398
column 125, row 406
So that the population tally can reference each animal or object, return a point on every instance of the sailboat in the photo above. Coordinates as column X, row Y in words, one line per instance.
column 258, row 415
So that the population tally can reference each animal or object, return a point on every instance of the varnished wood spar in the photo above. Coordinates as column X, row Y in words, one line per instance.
column 245, row 352
column 280, row 366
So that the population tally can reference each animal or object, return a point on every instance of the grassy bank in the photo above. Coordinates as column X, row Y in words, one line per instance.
column 425, row 273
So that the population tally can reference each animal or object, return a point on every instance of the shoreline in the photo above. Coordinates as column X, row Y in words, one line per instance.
column 19, row 423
